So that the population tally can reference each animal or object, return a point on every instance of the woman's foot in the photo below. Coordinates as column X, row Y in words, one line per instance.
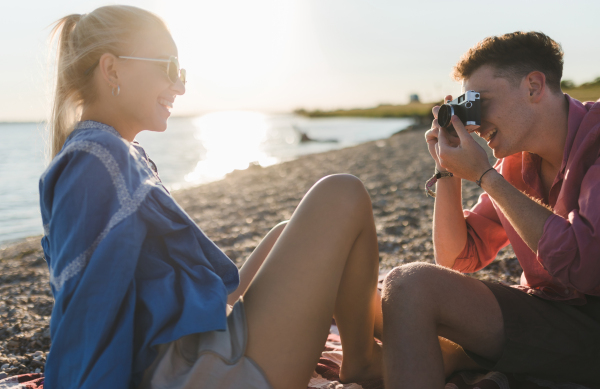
column 455, row 358
column 354, row 370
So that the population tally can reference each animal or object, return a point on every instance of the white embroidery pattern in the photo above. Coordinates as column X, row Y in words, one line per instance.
column 107, row 160
column 90, row 124
column 129, row 204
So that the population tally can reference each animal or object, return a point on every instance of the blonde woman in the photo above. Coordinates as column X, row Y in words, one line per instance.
column 140, row 292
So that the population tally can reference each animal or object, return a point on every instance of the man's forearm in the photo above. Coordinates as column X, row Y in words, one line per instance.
column 524, row 214
column 449, row 226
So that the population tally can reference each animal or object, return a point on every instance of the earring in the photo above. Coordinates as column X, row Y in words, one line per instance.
column 118, row 91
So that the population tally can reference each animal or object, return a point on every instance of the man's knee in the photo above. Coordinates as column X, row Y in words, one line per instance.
column 409, row 275
column 417, row 282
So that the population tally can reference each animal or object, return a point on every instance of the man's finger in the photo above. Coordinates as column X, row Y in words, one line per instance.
column 432, row 135
column 436, row 109
column 461, row 131
column 443, row 138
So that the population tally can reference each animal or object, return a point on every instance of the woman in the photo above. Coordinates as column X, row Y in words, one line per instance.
column 140, row 292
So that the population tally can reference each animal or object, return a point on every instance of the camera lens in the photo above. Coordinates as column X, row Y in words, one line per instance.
column 445, row 115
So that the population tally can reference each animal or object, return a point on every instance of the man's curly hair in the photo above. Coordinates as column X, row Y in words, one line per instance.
column 514, row 56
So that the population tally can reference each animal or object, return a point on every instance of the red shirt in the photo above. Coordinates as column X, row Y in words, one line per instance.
column 567, row 264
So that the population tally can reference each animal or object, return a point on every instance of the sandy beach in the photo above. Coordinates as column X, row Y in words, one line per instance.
column 238, row 211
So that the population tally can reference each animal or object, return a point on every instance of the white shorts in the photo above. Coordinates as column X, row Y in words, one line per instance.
column 208, row 360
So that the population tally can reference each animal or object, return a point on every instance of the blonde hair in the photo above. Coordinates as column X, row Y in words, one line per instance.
column 82, row 39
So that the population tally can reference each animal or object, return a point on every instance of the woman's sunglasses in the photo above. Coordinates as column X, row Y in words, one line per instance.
column 173, row 70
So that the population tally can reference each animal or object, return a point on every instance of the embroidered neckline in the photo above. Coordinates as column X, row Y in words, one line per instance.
column 91, row 124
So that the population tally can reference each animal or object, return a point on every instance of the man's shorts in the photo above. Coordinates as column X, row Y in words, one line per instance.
column 208, row 360
column 547, row 339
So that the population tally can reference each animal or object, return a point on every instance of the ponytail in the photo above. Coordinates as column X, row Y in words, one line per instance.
column 64, row 108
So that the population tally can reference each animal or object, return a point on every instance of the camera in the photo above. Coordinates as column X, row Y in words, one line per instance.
column 467, row 107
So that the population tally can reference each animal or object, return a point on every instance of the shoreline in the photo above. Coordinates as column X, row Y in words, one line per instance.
column 237, row 211
column 183, row 159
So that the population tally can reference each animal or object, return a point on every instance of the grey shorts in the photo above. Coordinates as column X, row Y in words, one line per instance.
column 547, row 339
column 208, row 360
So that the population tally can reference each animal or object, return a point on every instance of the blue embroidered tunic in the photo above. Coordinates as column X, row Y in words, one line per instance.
column 128, row 267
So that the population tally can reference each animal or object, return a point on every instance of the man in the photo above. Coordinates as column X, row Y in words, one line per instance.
column 541, row 197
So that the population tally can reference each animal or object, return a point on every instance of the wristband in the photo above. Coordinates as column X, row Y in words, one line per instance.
column 431, row 182
column 478, row 182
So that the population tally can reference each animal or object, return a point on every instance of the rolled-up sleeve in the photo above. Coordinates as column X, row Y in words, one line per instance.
column 569, row 249
column 485, row 237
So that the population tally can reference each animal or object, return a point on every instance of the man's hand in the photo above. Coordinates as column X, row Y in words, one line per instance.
column 431, row 136
column 466, row 159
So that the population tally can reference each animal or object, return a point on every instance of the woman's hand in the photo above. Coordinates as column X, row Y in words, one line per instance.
column 432, row 136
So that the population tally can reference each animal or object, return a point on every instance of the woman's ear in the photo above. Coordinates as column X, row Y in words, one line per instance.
column 536, row 84
column 108, row 65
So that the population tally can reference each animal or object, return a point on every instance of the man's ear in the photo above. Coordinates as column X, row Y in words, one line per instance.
column 108, row 69
column 536, row 85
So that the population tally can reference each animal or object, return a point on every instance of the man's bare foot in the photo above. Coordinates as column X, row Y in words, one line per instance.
column 353, row 370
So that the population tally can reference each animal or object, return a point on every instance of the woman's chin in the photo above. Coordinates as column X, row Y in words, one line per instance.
column 156, row 126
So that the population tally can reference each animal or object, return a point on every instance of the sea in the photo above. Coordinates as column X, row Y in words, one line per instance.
column 192, row 151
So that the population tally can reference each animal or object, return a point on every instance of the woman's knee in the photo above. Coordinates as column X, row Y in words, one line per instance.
column 345, row 189
column 278, row 229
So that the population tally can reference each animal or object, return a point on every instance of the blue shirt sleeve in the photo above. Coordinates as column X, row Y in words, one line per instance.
column 128, row 268
column 93, row 243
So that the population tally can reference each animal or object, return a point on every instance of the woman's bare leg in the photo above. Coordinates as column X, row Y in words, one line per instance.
column 255, row 261
column 325, row 261
column 455, row 358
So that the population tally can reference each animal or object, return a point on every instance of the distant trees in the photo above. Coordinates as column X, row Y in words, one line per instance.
column 568, row 84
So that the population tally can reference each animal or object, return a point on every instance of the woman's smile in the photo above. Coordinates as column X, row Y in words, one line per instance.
column 165, row 104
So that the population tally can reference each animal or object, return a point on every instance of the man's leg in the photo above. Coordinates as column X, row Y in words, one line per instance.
column 422, row 301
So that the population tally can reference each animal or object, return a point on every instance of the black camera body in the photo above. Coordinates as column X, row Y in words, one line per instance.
column 467, row 107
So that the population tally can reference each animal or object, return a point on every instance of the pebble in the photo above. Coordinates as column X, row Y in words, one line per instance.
column 237, row 212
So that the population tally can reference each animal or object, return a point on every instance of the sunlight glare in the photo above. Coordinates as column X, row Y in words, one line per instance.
column 232, row 140
column 232, row 48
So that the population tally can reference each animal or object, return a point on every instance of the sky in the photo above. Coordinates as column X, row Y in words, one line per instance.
column 280, row 55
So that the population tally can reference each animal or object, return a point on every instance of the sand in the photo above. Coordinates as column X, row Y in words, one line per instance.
column 238, row 211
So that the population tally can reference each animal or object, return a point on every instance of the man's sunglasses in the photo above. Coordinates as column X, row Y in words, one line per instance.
column 173, row 70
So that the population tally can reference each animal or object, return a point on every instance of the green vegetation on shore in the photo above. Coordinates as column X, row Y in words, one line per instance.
column 589, row 91
column 381, row 111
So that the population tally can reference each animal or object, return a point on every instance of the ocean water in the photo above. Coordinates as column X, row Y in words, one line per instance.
column 192, row 151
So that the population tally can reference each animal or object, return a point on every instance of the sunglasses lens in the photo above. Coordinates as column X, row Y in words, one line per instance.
column 173, row 71
column 183, row 76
